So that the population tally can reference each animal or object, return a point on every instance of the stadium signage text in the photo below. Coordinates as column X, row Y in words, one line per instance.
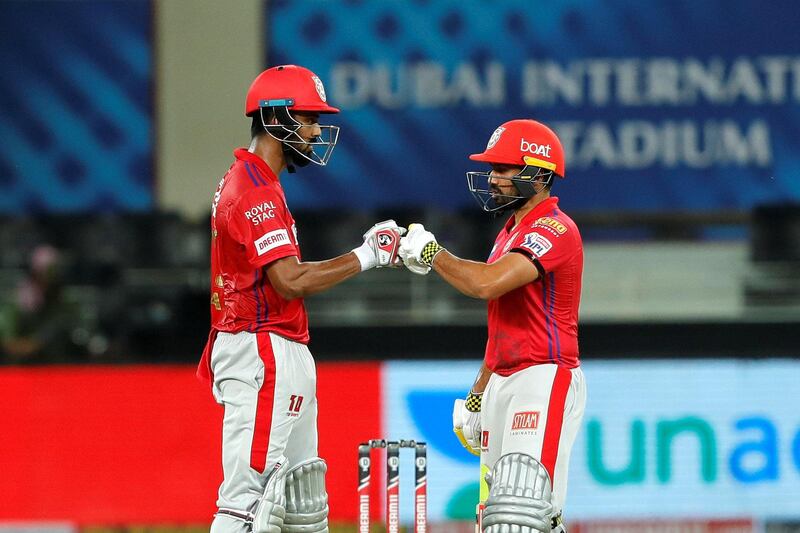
column 671, row 88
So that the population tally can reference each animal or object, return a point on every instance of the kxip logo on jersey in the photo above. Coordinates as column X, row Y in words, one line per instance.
column 537, row 244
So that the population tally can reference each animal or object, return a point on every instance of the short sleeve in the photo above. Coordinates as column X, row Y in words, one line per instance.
column 549, row 244
column 260, row 223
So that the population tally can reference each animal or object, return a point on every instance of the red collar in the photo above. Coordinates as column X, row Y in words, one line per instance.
column 543, row 208
column 243, row 154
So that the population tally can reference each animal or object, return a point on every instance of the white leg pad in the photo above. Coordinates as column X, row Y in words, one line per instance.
column 520, row 493
column 271, row 508
column 306, row 498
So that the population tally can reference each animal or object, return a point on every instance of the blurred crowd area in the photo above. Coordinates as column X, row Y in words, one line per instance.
column 78, row 288
column 134, row 287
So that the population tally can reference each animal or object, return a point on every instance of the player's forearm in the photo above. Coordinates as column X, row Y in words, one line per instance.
column 482, row 380
column 471, row 278
column 318, row 276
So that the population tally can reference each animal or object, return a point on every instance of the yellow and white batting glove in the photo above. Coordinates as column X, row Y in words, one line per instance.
column 467, row 422
column 381, row 245
column 418, row 249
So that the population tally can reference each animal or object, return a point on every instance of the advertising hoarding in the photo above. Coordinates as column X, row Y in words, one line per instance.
column 660, row 439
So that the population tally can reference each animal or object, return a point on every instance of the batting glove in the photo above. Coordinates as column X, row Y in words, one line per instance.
column 380, row 246
column 418, row 249
column 467, row 422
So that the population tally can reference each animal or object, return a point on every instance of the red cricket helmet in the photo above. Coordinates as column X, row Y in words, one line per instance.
column 282, row 90
column 292, row 86
column 524, row 143
column 521, row 143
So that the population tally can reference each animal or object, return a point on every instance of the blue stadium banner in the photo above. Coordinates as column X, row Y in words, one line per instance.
column 76, row 119
column 661, row 104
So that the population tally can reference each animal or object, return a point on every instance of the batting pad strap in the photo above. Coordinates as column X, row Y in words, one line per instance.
column 473, row 402
column 429, row 252
column 242, row 516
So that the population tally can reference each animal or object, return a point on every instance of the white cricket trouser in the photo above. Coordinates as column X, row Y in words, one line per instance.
column 267, row 385
column 536, row 411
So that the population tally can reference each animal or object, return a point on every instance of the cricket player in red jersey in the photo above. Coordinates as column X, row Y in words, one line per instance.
column 256, row 360
column 526, row 405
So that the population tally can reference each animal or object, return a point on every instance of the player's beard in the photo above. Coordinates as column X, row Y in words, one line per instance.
column 296, row 159
column 500, row 198
column 506, row 202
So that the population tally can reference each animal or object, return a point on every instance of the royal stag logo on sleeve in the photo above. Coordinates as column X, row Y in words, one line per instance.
column 260, row 212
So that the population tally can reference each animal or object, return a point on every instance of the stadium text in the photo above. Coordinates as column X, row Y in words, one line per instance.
column 636, row 144
column 595, row 82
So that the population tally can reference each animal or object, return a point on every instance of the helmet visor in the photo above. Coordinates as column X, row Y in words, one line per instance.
column 316, row 150
column 488, row 197
column 492, row 199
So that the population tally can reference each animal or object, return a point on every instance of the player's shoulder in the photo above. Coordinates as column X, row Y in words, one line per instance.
column 554, row 228
column 258, row 204
column 248, row 183
column 248, row 176
column 238, row 193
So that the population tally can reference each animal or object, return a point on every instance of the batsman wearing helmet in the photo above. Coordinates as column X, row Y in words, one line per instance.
column 525, row 408
column 256, row 360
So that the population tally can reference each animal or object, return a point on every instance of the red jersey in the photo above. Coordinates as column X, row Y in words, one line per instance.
column 251, row 227
column 538, row 322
